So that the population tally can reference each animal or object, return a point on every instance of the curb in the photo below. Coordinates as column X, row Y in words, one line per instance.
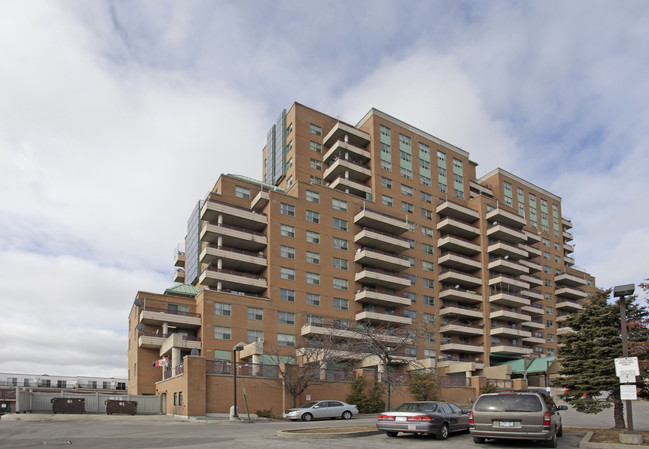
column 323, row 436
column 586, row 444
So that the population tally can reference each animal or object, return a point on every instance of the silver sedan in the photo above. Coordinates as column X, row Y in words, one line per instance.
column 321, row 409
column 428, row 418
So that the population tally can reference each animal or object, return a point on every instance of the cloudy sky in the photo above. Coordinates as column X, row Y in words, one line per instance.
column 116, row 117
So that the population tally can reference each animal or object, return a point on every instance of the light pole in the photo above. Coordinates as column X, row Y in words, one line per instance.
column 234, row 376
column 621, row 291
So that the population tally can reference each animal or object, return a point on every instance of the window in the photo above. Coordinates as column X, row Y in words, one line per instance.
column 425, row 231
column 549, row 310
column 289, row 163
column 340, row 264
column 287, row 295
column 313, row 258
column 339, row 204
column 429, row 283
column 425, row 180
column 411, row 260
column 313, row 299
column 411, row 243
column 315, row 129
column 61, row 384
column 407, row 207
column 546, row 255
column 410, row 314
column 546, row 242
column 313, row 278
column 386, row 165
column 312, row 320
column 285, row 318
column 314, row 146
column 255, row 336
column 289, row 181
column 287, row 273
column 429, row 318
column 386, row 182
column 341, row 284
column 411, row 277
column 430, row 354
column 287, row 252
column 428, row 266
column 557, row 259
column 406, row 190
column 550, row 337
column 255, row 314
column 386, row 200
column 289, row 128
column 315, row 180
column 287, row 209
column 429, row 337
column 287, row 231
column 427, row 214
column 312, row 197
column 341, row 304
column 428, row 249
column 242, row 192
column 340, row 244
column 411, row 296
column 549, row 324
column 556, row 246
column 406, row 173
column 315, row 164
column 285, row 340
column 340, row 224
column 547, row 269
column 222, row 309
column 222, row 333
column 312, row 217
column 426, row 197
column 312, row 237
column 458, row 194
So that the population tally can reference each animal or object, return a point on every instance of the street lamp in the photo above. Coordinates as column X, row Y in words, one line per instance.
column 234, row 376
column 621, row 291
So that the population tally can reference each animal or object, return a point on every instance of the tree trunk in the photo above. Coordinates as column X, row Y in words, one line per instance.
column 388, row 395
column 294, row 401
column 618, row 413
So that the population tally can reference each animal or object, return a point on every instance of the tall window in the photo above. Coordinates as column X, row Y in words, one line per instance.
column 222, row 333
column 285, row 318
column 315, row 129
column 339, row 204
column 287, row 230
column 222, row 309
column 312, row 217
column 340, row 224
column 312, row 197
column 287, row 273
column 255, row 314
column 287, row 295
column 340, row 244
column 287, row 209
column 287, row 252
column 242, row 192
column 341, row 304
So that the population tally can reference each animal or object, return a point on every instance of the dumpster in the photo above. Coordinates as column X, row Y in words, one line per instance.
column 68, row 405
column 123, row 407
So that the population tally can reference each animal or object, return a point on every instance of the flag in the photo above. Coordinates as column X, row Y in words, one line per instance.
column 161, row 362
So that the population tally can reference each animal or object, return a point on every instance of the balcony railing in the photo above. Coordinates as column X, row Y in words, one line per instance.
column 173, row 312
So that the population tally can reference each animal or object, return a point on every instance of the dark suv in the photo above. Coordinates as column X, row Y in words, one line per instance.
column 517, row 415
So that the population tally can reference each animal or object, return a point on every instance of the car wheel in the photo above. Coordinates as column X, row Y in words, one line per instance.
column 443, row 432
column 307, row 417
column 478, row 440
column 347, row 415
column 560, row 431
column 552, row 442
column 392, row 434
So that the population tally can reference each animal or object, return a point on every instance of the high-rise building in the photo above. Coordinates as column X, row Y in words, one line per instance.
column 377, row 224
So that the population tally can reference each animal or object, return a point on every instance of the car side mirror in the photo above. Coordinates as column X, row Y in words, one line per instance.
column 562, row 407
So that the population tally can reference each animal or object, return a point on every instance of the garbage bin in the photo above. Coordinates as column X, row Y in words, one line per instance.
column 123, row 407
column 68, row 405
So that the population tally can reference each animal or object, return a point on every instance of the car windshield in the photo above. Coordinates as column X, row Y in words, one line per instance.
column 416, row 407
column 308, row 404
column 509, row 403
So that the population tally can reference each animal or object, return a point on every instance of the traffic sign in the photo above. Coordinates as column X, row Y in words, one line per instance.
column 627, row 379
column 627, row 366
column 628, row 392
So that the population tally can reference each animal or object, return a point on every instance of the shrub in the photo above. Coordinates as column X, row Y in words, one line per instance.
column 265, row 413
column 423, row 386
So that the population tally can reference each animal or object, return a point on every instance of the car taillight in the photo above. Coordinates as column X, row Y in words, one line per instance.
column 470, row 417
column 386, row 418
column 420, row 418
column 546, row 419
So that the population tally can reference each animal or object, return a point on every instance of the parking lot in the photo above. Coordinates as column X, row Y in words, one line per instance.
column 134, row 432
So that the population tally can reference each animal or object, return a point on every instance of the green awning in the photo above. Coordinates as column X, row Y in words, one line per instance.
column 183, row 289
column 538, row 365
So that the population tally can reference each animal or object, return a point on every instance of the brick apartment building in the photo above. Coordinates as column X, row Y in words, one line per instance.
column 374, row 224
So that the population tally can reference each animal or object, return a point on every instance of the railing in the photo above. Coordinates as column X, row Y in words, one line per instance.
column 173, row 312
column 173, row 371
column 235, row 273
column 454, row 381
column 236, row 228
column 381, row 291
column 376, row 270
column 159, row 335
column 459, row 289
column 499, row 275
column 462, row 323
column 235, row 207
column 234, row 250
column 353, row 162
column 387, row 234
column 449, row 270
column 460, row 306
column 505, row 384
column 443, row 236
column 224, row 367
column 382, row 214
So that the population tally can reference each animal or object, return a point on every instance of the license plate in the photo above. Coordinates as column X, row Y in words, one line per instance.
column 506, row 423
column 401, row 418
column 412, row 427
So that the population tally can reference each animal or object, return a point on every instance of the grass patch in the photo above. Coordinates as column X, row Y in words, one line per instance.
column 610, row 436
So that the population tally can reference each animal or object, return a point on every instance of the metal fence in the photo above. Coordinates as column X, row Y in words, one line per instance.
column 41, row 402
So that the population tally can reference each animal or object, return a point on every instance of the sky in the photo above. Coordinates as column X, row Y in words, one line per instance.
column 116, row 117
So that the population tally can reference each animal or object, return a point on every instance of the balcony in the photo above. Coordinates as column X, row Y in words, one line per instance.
column 260, row 201
column 455, row 227
column 532, row 294
column 532, row 310
column 383, row 318
column 566, row 222
column 155, row 316
column 341, row 149
column 571, row 306
column 503, row 249
column 459, row 278
column 507, row 218
column 372, row 296
column 460, row 295
column 461, row 347
column 572, row 293
column 234, row 259
column 380, row 240
column 508, row 299
column 227, row 214
column 342, row 132
column 567, row 236
column 376, row 258
column 459, row 328
column 510, row 350
column 223, row 279
column 569, row 261
column 368, row 218
column 533, row 266
column 151, row 340
column 461, row 311
column 385, row 279
column 532, row 237
column 454, row 210
column 570, row 280
column 565, row 330
column 180, row 341
column 508, row 315
column 310, row 330
column 234, row 237
column 532, row 252
column 568, row 248
column 506, row 234
column 508, row 281
column 533, row 325
column 508, row 331
column 179, row 275
column 508, row 267
column 479, row 189
column 453, row 260
column 342, row 168
column 179, row 260
column 458, row 245
column 535, row 280
column 534, row 340
column 351, row 187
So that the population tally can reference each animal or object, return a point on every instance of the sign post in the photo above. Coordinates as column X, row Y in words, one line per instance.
column 627, row 368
